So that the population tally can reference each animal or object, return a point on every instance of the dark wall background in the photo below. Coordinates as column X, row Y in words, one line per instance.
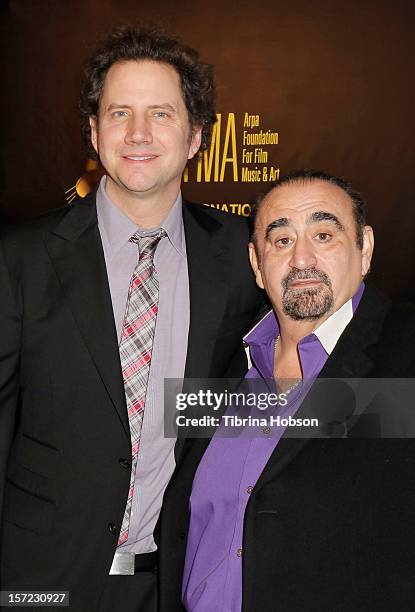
column 334, row 78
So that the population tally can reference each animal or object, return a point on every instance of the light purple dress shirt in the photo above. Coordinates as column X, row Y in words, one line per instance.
column 156, row 456
column 230, row 468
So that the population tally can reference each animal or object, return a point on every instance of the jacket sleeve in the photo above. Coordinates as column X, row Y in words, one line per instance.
column 10, row 333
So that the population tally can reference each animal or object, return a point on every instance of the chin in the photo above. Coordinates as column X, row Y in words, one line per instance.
column 308, row 304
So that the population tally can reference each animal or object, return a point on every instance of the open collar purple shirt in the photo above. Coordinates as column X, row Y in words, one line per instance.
column 231, row 467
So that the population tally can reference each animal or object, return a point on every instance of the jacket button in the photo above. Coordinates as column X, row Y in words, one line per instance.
column 182, row 535
column 124, row 463
column 112, row 528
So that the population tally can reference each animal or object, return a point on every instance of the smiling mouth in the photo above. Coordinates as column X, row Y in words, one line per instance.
column 139, row 158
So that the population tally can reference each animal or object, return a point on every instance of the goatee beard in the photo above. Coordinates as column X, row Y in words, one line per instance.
column 308, row 303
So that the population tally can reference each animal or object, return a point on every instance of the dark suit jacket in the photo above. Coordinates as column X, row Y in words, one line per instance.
column 330, row 524
column 63, row 422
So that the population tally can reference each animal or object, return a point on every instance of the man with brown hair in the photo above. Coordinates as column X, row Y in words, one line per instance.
column 100, row 302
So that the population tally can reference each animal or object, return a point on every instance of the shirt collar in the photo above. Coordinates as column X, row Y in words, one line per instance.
column 265, row 329
column 118, row 228
column 328, row 333
column 332, row 328
column 174, row 228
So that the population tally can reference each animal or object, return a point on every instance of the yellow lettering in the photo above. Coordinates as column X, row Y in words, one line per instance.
column 214, row 152
column 230, row 137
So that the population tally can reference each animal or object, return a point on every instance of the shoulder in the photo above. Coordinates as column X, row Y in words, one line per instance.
column 237, row 225
column 28, row 229
column 396, row 315
column 396, row 341
column 215, row 212
column 400, row 321
column 22, row 229
column 24, row 239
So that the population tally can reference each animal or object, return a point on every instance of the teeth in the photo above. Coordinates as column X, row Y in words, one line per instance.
column 140, row 157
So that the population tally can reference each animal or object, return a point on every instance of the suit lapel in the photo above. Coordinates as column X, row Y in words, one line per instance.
column 351, row 358
column 75, row 248
column 208, row 266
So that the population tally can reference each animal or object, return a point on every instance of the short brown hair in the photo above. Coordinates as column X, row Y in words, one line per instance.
column 135, row 43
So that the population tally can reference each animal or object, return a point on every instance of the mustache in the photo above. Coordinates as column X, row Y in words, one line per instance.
column 309, row 273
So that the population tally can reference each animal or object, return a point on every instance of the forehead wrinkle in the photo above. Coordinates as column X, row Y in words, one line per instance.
column 322, row 215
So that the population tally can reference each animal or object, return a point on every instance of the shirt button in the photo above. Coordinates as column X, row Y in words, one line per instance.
column 266, row 430
column 239, row 552
column 249, row 490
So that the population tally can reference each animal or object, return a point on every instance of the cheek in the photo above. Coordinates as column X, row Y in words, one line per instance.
column 335, row 263
column 177, row 142
column 343, row 272
column 273, row 271
column 110, row 136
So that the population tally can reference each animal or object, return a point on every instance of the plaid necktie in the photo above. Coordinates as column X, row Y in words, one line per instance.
column 136, row 346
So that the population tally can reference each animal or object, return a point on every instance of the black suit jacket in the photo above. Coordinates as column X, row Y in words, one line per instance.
column 330, row 524
column 63, row 422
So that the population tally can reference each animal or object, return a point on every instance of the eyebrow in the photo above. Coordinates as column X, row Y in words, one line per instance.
column 281, row 222
column 315, row 217
column 321, row 215
column 165, row 105
column 113, row 105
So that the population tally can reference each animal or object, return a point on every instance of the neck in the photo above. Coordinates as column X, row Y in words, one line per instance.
column 292, row 332
column 287, row 363
column 147, row 210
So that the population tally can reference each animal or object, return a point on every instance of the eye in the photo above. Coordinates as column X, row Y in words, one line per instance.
column 119, row 114
column 161, row 114
column 323, row 237
column 282, row 243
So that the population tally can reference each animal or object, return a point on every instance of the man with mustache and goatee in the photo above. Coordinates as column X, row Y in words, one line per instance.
column 289, row 521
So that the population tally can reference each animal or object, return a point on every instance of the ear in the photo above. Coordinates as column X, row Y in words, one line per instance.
column 196, row 139
column 94, row 133
column 253, row 258
column 367, row 250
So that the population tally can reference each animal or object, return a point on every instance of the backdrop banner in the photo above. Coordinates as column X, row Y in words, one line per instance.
column 324, row 85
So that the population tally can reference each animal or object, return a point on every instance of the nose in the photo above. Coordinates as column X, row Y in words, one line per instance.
column 138, row 130
column 302, row 255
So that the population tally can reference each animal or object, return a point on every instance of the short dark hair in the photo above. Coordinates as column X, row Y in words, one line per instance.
column 305, row 176
column 127, row 43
